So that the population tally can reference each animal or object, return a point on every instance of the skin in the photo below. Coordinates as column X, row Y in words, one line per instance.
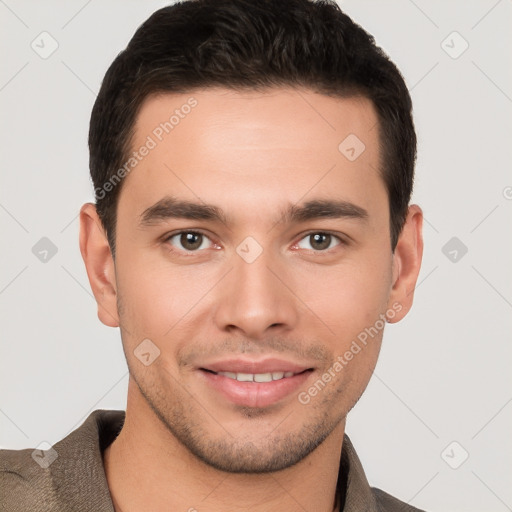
column 184, row 445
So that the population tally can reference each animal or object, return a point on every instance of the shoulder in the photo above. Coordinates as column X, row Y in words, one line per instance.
column 67, row 474
column 23, row 483
column 359, row 494
column 388, row 503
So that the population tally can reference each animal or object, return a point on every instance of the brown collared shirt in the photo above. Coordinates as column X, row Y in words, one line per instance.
column 70, row 476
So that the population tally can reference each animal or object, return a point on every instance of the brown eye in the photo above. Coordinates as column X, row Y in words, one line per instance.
column 189, row 241
column 319, row 241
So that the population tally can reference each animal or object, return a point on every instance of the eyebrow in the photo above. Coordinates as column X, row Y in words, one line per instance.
column 174, row 208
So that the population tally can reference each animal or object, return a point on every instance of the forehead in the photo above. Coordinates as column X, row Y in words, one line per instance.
column 280, row 142
column 275, row 117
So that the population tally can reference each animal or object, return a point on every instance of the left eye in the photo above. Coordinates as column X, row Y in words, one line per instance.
column 189, row 240
column 319, row 241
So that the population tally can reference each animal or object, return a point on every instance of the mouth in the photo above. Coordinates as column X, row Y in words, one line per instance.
column 257, row 377
column 253, row 384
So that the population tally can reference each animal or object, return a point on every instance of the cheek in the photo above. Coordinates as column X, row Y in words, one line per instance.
column 150, row 300
column 158, row 299
column 347, row 298
column 351, row 300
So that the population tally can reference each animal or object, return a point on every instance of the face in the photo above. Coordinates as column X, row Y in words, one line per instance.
column 253, row 271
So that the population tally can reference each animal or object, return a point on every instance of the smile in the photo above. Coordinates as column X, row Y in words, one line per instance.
column 257, row 377
column 260, row 389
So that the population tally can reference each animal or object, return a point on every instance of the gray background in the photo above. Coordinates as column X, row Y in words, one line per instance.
column 444, row 372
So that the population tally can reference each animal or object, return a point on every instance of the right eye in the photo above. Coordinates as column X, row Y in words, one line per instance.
column 190, row 241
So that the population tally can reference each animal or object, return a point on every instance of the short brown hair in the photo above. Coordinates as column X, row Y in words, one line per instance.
column 251, row 44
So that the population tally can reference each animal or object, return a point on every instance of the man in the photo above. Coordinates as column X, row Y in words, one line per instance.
column 253, row 164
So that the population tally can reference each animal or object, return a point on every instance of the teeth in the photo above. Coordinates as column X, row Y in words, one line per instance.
column 257, row 377
column 245, row 377
column 262, row 377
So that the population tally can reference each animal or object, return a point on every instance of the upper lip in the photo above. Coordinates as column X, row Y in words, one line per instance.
column 269, row 365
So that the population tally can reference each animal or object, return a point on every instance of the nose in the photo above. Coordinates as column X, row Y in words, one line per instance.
column 257, row 298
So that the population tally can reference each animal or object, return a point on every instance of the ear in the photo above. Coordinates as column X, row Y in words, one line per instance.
column 99, row 264
column 406, row 264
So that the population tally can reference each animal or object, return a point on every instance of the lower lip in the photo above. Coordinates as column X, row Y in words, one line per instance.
column 255, row 394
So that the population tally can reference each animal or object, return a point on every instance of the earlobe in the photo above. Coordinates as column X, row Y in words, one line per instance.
column 406, row 263
column 99, row 264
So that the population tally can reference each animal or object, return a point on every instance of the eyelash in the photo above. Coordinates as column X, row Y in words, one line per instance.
column 305, row 235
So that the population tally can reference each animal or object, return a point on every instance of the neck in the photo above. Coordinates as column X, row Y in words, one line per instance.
column 148, row 469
